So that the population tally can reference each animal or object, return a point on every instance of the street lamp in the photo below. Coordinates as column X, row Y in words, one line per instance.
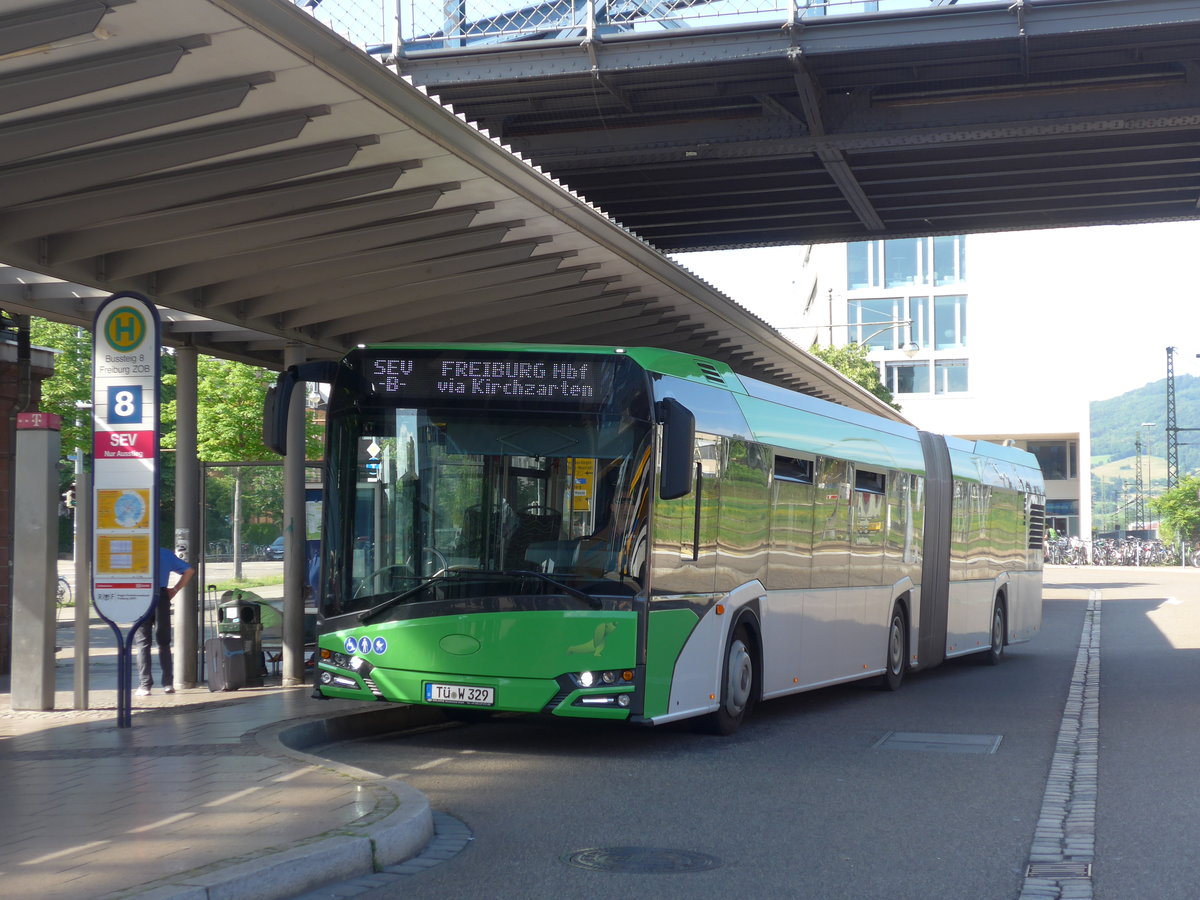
column 908, row 348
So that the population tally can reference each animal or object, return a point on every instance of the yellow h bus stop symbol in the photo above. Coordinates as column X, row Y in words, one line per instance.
column 126, row 329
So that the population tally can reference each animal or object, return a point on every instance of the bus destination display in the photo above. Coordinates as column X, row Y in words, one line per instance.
column 496, row 379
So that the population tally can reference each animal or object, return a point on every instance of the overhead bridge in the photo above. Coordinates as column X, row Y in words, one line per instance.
column 754, row 122
column 279, row 191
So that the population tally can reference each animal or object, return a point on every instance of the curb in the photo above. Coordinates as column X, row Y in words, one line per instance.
column 398, row 827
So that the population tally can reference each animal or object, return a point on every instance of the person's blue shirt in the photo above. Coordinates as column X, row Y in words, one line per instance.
column 168, row 562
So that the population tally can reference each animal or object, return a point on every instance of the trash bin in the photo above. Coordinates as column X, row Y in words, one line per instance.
column 250, row 631
column 241, row 619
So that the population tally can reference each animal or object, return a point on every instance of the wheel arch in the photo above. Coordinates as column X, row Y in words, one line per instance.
column 904, row 593
column 1000, row 600
column 1000, row 591
column 696, row 671
column 750, row 615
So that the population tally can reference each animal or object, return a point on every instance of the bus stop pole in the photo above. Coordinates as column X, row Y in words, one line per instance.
column 294, row 530
column 83, row 583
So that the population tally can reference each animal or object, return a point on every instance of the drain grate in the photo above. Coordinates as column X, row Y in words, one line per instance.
column 940, row 743
column 1059, row 870
column 641, row 860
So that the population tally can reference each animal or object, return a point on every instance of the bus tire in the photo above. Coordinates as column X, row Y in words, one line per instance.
column 896, row 661
column 739, row 681
column 995, row 653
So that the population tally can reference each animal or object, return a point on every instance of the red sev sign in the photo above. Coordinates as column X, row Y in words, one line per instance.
column 125, row 444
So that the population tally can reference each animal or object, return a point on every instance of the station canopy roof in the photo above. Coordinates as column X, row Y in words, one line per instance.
column 267, row 183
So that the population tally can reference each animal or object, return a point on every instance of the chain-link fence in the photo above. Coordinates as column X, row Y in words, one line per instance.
column 370, row 24
column 384, row 27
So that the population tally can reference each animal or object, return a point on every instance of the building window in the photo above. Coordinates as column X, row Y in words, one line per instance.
column 949, row 260
column 907, row 377
column 868, row 322
column 918, row 327
column 858, row 265
column 1058, row 459
column 871, row 322
column 935, row 262
column 949, row 322
column 950, row 376
column 902, row 262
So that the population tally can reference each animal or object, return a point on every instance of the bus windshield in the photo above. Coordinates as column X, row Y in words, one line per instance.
column 444, row 505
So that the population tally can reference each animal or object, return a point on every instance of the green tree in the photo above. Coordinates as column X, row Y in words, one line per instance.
column 72, row 379
column 229, row 403
column 851, row 360
column 229, row 414
column 1179, row 511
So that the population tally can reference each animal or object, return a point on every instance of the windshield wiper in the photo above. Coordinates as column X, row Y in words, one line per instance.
column 594, row 602
column 391, row 602
column 383, row 607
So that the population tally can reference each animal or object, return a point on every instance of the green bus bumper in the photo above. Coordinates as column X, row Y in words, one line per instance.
column 530, row 661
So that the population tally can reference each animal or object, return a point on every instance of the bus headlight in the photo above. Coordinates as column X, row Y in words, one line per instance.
column 599, row 679
column 620, row 701
column 342, row 681
column 344, row 661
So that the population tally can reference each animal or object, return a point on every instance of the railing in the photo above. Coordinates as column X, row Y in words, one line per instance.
column 397, row 27
column 371, row 24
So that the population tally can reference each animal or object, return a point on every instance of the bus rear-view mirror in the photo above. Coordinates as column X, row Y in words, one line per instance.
column 679, row 437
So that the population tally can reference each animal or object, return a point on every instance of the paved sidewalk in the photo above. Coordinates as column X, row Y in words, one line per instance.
column 207, row 795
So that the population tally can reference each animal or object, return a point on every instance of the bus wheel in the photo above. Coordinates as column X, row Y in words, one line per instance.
column 897, row 650
column 995, row 652
column 737, row 685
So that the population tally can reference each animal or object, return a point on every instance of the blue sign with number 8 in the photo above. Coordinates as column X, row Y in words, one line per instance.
column 125, row 404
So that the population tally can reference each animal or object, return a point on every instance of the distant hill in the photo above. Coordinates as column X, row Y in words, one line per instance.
column 1115, row 425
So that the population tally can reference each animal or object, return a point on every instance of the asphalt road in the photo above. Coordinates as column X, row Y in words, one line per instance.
column 810, row 800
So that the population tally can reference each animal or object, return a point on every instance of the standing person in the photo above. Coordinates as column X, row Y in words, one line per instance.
column 160, row 621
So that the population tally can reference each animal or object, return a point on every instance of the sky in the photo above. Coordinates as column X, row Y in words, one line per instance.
column 1112, row 298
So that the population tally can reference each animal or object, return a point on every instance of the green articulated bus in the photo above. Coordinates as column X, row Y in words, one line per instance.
column 643, row 535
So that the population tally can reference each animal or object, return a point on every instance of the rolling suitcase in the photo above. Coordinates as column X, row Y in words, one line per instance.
column 226, row 663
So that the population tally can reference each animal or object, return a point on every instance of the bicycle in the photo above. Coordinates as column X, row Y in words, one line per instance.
column 62, row 595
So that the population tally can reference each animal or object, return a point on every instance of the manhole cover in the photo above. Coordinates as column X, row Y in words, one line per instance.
column 641, row 860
